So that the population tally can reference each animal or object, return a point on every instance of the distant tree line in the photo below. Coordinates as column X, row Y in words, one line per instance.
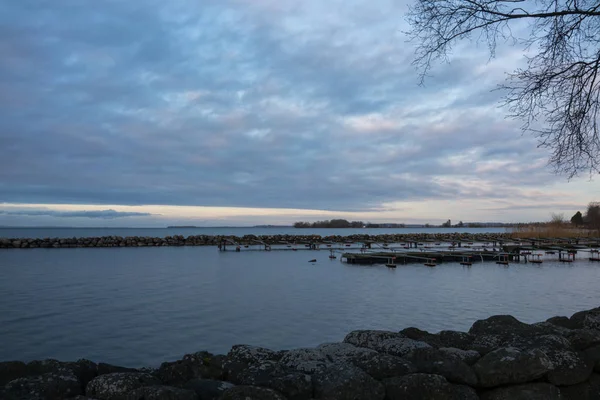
column 591, row 218
column 384, row 225
column 448, row 224
column 342, row 223
column 333, row 223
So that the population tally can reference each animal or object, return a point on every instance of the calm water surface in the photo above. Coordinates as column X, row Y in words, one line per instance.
column 141, row 306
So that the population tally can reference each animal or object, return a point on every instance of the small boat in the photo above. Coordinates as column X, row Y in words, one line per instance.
column 246, row 246
column 313, row 260
column 390, row 265
column 332, row 257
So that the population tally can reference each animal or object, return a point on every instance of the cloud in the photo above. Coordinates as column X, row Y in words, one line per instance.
column 96, row 214
column 237, row 103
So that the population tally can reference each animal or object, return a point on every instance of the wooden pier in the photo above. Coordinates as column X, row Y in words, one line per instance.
column 431, row 252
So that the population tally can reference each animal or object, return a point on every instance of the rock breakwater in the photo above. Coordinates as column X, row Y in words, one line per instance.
column 499, row 358
column 247, row 240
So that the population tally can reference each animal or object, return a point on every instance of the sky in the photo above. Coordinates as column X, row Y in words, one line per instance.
column 242, row 112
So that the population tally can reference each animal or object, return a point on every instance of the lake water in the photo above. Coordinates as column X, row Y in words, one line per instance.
column 141, row 306
column 236, row 231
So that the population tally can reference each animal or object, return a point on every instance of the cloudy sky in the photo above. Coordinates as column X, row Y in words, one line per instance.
column 237, row 112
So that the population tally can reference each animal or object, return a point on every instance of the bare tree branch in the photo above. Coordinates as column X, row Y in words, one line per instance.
column 559, row 89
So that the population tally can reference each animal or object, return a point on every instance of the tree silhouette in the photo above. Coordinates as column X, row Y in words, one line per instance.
column 577, row 219
column 592, row 216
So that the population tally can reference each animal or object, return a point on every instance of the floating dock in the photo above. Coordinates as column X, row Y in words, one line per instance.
column 401, row 258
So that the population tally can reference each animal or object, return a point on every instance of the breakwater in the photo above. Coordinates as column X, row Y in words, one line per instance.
column 247, row 240
column 282, row 240
column 499, row 358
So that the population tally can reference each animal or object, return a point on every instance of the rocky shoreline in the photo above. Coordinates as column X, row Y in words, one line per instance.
column 500, row 358
column 208, row 240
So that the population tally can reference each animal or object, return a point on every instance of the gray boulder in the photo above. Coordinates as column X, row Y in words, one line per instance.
column 115, row 386
column 423, row 336
column 484, row 344
column 84, row 370
column 529, row 391
column 589, row 390
column 240, row 357
column 309, row 360
column 273, row 375
column 192, row 366
column 418, row 387
column 563, row 322
column 370, row 339
column 544, row 342
column 568, row 367
column 345, row 381
column 504, row 325
column 160, row 393
column 343, row 351
column 251, row 393
column 450, row 366
column 511, row 366
column 589, row 319
column 208, row 389
column 381, row 366
column 469, row 357
column 550, row 329
column 48, row 386
column 582, row 339
column 391, row 343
